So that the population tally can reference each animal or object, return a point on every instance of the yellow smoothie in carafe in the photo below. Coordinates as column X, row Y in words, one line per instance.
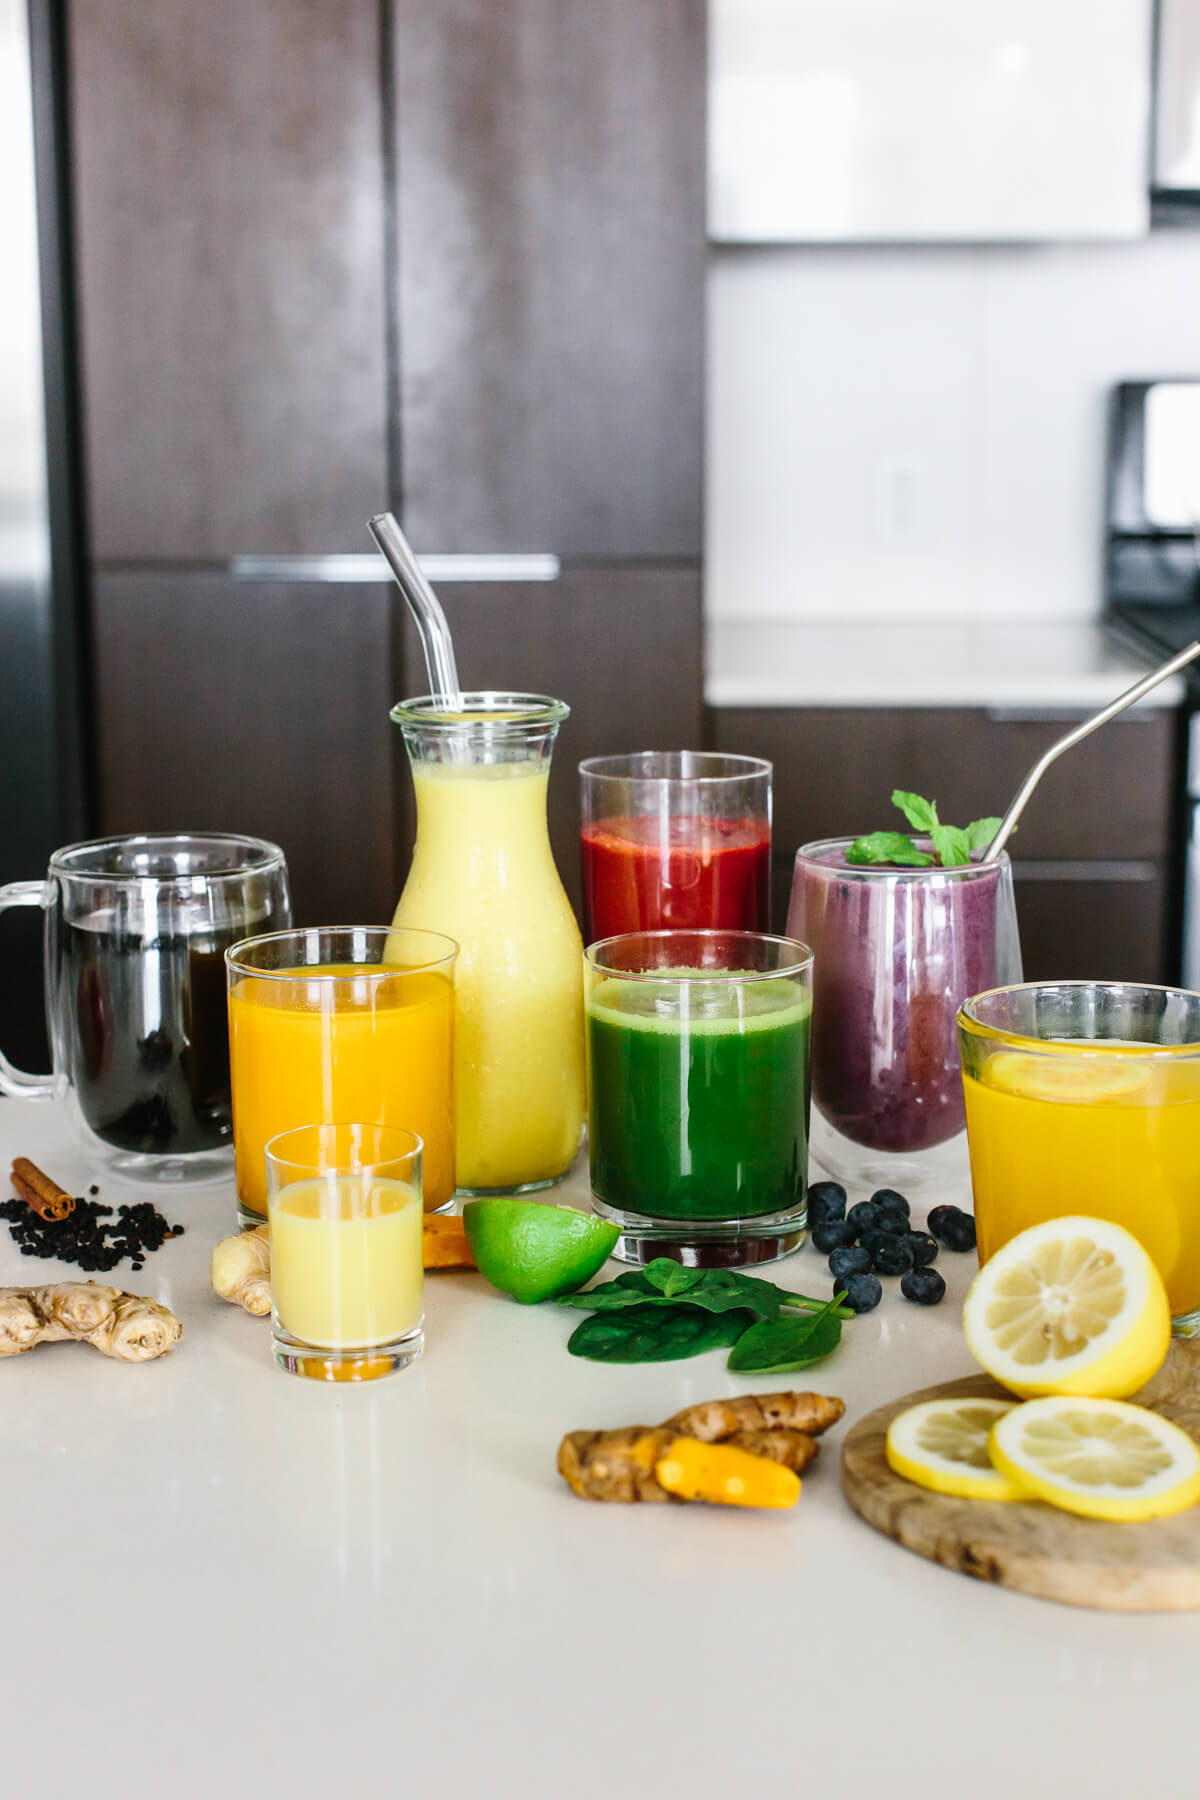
column 483, row 873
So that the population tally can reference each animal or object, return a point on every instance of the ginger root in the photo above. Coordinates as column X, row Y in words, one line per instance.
column 241, row 1265
column 125, row 1326
column 240, row 1270
column 629, row 1464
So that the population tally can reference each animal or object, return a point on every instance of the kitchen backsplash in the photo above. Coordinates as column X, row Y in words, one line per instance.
column 921, row 431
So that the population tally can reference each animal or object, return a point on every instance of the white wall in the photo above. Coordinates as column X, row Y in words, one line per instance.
column 921, row 430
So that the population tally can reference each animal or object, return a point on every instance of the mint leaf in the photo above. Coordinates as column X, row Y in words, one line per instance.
column 980, row 832
column 887, row 847
column 952, row 845
column 921, row 814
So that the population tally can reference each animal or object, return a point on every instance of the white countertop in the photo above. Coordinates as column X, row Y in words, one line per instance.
column 222, row 1580
column 1027, row 663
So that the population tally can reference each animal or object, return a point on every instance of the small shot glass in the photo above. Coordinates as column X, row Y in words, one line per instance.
column 344, row 1206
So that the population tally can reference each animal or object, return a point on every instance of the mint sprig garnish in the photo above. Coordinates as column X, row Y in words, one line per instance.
column 952, row 844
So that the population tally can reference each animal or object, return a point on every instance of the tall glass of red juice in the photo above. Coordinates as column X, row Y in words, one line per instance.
column 675, row 840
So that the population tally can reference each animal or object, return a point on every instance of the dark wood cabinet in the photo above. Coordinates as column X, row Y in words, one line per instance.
column 256, row 707
column 620, row 646
column 443, row 253
column 229, row 193
column 1093, row 861
column 550, row 274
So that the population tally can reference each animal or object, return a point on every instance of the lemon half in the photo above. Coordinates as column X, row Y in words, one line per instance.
column 1071, row 1306
column 943, row 1445
column 1079, row 1080
column 1104, row 1459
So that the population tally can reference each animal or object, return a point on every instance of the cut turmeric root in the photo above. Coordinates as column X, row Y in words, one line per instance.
column 241, row 1265
column 673, row 1462
column 724, row 1475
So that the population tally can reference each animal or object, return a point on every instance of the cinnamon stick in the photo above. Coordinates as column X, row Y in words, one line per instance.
column 37, row 1190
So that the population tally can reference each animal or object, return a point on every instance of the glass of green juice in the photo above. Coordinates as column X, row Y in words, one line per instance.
column 698, row 1093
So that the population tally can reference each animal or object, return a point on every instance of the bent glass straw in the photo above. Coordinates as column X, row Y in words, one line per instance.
column 425, row 607
column 1008, row 823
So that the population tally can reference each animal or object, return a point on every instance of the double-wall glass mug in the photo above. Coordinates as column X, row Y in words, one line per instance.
column 135, row 940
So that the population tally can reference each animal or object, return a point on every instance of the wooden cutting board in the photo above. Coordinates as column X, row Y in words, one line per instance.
column 1153, row 1567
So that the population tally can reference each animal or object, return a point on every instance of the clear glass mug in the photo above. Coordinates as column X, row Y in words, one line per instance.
column 896, row 953
column 1081, row 1098
column 483, row 870
column 675, row 839
column 136, row 933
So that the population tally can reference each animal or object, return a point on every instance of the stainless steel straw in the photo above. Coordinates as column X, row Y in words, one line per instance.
column 426, row 609
column 1008, row 823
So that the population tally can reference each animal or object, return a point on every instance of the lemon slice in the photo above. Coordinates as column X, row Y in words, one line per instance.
column 943, row 1445
column 1071, row 1306
column 1086, row 1081
column 1102, row 1458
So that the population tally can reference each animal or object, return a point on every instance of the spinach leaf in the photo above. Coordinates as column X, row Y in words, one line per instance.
column 787, row 1344
column 668, row 1277
column 716, row 1290
column 656, row 1333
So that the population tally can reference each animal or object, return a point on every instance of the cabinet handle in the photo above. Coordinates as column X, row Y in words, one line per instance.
column 1068, row 715
column 353, row 566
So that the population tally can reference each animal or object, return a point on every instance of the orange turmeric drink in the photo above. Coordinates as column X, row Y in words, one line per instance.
column 1106, row 1127
column 323, row 1028
column 344, row 1204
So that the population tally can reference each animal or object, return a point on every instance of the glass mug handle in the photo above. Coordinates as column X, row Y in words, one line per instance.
column 15, row 1082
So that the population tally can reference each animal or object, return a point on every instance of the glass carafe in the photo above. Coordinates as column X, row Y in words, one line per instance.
column 483, row 872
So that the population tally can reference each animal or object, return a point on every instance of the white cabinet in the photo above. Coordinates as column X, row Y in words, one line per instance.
column 928, row 120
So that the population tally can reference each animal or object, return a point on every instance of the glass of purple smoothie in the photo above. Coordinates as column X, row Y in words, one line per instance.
column 896, row 952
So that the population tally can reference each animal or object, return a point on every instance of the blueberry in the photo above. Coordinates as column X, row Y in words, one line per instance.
column 863, row 1292
column 953, row 1226
column 925, row 1286
column 924, row 1248
column 872, row 1240
column 894, row 1223
column 832, row 1234
column 893, row 1257
column 890, row 1198
column 826, row 1200
column 861, row 1217
column 851, row 1259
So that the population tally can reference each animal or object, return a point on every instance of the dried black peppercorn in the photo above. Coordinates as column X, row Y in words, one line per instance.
column 85, row 1238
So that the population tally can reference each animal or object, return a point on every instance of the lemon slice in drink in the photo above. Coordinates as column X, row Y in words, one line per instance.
column 1071, row 1306
column 1084, row 1080
column 1102, row 1458
column 943, row 1445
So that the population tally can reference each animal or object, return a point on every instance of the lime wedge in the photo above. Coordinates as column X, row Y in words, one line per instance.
column 533, row 1251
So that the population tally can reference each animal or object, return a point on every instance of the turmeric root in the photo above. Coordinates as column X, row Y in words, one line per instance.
column 626, row 1465
column 125, row 1326
column 444, row 1242
column 724, row 1475
column 241, row 1265
column 714, row 1420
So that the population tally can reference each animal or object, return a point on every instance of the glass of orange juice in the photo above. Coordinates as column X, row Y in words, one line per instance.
column 1083, row 1097
column 349, row 1022
column 344, row 1204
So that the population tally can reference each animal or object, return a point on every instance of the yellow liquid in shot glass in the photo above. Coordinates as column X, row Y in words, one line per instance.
column 346, row 1260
